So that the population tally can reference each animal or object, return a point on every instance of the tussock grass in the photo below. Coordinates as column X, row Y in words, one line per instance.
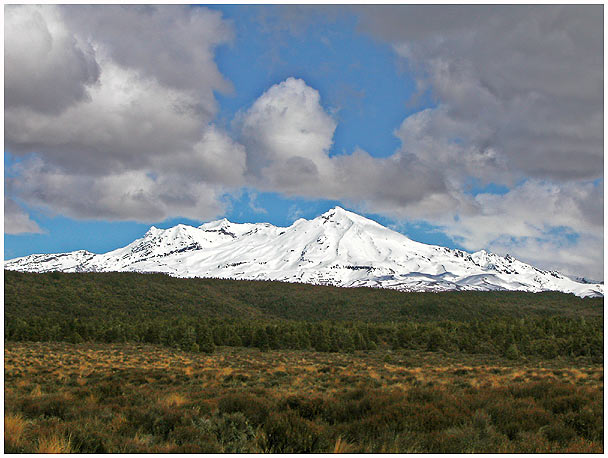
column 36, row 392
column 341, row 446
column 173, row 400
column 54, row 444
column 14, row 429
column 140, row 399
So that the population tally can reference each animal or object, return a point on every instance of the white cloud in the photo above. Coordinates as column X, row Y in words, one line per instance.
column 253, row 205
column 583, row 257
column 531, row 209
column 288, row 135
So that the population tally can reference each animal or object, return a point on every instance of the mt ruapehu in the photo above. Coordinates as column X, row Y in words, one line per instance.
column 338, row 248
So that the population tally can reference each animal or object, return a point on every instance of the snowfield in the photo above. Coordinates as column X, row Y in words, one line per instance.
column 339, row 248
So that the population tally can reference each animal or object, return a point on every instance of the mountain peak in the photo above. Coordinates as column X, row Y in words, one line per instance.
column 337, row 210
column 152, row 231
column 338, row 214
column 217, row 224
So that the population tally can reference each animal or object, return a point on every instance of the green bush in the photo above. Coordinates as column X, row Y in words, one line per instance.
column 287, row 432
column 254, row 408
column 558, row 432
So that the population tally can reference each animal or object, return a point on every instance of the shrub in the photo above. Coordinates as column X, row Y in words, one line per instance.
column 256, row 409
column 156, row 421
column 452, row 440
column 286, row 432
column 89, row 438
column 200, row 434
column 512, row 352
column 308, row 408
column 586, row 424
column 234, row 432
column 565, row 403
column 52, row 405
column 558, row 432
column 346, row 410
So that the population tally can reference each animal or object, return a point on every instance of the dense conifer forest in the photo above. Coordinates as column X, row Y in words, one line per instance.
column 201, row 314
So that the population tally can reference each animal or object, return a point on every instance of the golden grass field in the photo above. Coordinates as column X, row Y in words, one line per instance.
column 126, row 398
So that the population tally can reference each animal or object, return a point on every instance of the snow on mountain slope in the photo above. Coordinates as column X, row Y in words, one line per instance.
column 337, row 248
column 63, row 262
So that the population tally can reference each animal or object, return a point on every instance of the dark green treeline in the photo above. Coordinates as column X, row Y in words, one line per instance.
column 199, row 314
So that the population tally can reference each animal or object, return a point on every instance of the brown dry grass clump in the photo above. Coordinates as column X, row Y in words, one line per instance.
column 14, row 429
column 173, row 400
column 341, row 446
column 54, row 444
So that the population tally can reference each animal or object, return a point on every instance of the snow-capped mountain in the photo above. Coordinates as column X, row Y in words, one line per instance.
column 337, row 248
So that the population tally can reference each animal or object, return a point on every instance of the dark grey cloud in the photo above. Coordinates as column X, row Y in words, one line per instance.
column 131, row 195
column 46, row 67
column 173, row 44
column 527, row 79
column 141, row 82
column 127, row 121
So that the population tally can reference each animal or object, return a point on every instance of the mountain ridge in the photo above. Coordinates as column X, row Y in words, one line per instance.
column 339, row 248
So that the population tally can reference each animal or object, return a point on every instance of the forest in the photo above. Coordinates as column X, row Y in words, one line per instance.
column 201, row 314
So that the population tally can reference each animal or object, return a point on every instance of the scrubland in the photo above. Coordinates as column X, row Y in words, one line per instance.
column 130, row 398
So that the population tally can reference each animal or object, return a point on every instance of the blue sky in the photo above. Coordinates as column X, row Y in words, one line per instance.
column 403, row 114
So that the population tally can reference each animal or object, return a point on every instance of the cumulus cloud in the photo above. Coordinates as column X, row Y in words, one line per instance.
column 174, row 44
column 138, row 195
column 288, row 135
column 17, row 221
column 189, row 183
column 118, row 113
column 127, row 121
column 46, row 67
column 521, row 84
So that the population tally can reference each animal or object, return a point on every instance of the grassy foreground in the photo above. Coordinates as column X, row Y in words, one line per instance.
column 130, row 398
